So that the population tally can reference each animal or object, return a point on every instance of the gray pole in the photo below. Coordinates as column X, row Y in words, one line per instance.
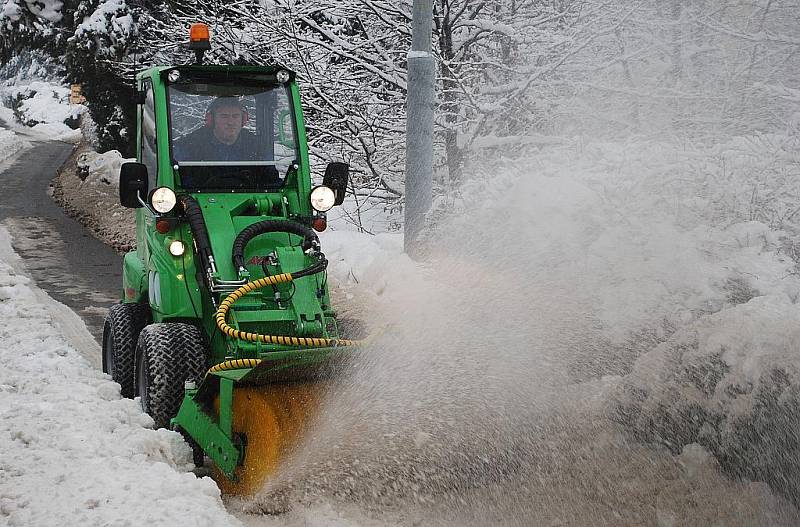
column 419, row 124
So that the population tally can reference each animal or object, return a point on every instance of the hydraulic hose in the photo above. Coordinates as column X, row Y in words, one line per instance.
column 306, row 342
column 235, row 364
column 310, row 239
column 194, row 215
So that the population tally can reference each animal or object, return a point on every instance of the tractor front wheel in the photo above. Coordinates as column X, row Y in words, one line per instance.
column 167, row 355
column 120, row 333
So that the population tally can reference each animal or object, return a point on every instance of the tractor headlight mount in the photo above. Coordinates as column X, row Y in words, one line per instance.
column 322, row 198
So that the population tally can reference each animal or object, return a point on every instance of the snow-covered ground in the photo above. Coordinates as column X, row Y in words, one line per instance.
column 10, row 144
column 74, row 452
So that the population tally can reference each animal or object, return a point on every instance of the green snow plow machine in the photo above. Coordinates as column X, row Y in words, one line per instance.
column 225, row 330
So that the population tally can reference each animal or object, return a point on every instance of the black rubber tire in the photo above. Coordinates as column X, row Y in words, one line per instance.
column 121, row 331
column 167, row 355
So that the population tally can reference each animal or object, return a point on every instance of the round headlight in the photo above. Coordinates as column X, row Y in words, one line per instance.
column 177, row 248
column 174, row 75
column 322, row 198
column 163, row 200
column 282, row 76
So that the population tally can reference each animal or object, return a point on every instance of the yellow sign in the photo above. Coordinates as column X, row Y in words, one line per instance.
column 75, row 96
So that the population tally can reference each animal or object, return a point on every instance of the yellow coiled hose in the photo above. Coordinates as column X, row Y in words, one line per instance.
column 305, row 342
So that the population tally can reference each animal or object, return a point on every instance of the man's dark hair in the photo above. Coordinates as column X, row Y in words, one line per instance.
column 224, row 102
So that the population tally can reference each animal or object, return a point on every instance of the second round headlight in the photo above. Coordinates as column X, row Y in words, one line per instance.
column 163, row 200
column 322, row 198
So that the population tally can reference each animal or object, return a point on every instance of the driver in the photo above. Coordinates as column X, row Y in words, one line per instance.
column 222, row 138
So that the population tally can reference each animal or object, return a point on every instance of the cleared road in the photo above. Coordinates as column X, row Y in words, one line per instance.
column 62, row 257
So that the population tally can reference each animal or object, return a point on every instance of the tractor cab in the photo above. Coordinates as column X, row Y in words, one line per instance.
column 232, row 133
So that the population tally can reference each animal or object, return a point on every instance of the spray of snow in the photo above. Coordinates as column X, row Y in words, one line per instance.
column 484, row 398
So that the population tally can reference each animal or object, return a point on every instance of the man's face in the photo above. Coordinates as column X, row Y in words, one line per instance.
column 227, row 124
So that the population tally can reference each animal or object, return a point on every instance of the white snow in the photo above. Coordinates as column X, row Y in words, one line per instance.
column 616, row 237
column 101, row 168
column 110, row 18
column 45, row 104
column 10, row 143
column 73, row 451
column 50, row 10
column 11, row 10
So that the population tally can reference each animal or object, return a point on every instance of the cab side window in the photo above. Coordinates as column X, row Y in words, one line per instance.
column 148, row 139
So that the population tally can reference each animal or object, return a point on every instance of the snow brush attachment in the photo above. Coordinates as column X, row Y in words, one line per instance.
column 272, row 421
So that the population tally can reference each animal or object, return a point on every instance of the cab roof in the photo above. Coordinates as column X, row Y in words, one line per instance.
column 223, row 70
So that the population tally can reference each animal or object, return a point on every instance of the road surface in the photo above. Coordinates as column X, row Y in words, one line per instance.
column 62, row 257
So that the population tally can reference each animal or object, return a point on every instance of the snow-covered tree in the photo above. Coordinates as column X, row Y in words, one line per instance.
column 31, row 24
column 104, row 32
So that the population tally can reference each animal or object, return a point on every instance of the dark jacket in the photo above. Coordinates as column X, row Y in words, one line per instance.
column 201, row 145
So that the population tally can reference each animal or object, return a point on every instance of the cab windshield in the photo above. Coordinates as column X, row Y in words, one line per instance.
column 232, row 134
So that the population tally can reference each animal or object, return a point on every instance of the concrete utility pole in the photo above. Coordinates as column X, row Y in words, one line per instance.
column 419, row 124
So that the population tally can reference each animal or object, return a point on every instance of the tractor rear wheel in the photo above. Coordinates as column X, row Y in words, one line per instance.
column 120, row 333
column 167, row 355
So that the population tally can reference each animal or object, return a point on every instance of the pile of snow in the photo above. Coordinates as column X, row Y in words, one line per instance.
column 10, row 143
column 44, row 107
column 74, row 452
column 94, row 168
column 370, row 262
column 730, row 382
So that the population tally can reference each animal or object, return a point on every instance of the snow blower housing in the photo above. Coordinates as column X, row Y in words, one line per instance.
column 225, row 326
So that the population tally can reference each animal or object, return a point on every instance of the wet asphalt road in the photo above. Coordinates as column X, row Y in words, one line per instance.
column 62, row 257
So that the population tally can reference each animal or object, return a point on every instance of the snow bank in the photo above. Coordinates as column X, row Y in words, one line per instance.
column 10, row 143
column 730, row 382
column 96, row 169
column 371, row 262
column 74, row 452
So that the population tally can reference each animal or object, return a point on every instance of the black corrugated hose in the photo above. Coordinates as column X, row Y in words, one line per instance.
column 310, row 239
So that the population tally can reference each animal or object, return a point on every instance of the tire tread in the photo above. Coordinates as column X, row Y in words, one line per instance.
column 125, row 322
column 174, row 353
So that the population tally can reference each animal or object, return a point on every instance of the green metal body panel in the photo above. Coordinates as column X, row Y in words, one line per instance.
column 173, row 285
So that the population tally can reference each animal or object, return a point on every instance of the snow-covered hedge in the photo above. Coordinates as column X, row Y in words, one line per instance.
column 42, row 103
column 730, row 382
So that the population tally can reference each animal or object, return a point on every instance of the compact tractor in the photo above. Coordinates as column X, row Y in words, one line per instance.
column 226, row 327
